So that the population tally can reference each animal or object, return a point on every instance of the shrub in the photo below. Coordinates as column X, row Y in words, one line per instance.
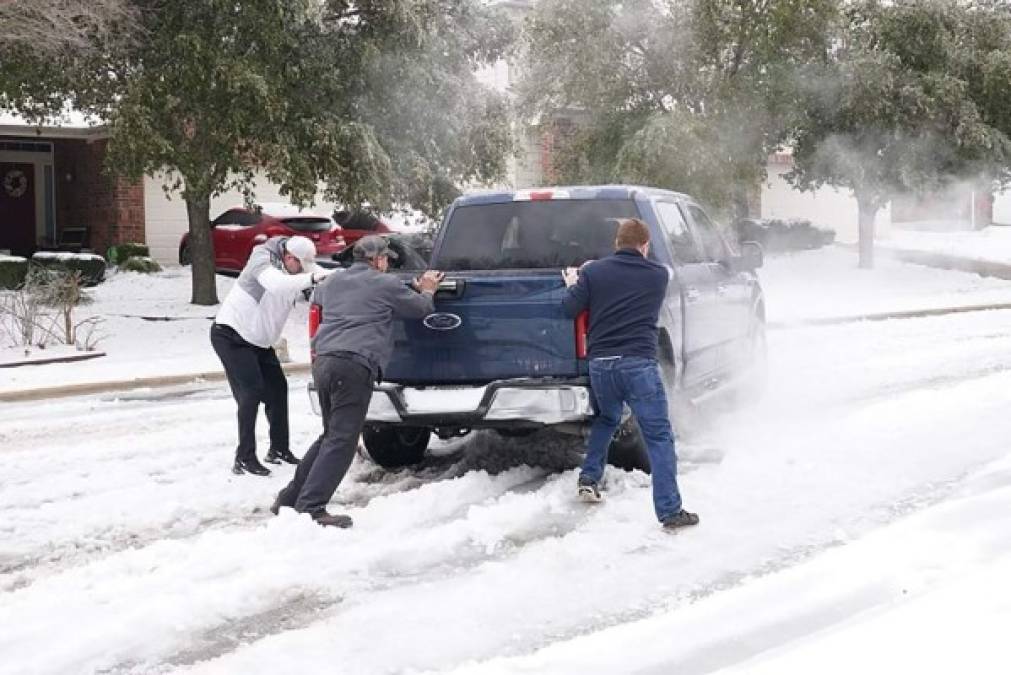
column 12, row 271
column 90, row 265
column 778, row 236
column 120, row 253
column 140, row 264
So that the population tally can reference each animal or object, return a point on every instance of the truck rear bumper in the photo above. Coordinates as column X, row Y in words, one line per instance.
column 528, row 401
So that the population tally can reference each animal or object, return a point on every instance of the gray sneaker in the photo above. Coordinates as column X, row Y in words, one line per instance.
column 588, row 491
column 326, row 519
column 679, row 520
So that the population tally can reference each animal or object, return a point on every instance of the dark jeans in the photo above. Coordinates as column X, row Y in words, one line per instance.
column 254, row 375
column 637, row 382
column 345, row 389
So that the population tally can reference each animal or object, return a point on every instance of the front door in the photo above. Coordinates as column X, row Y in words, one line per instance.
column 733, row 290
column 696, row 285
column 17, row 208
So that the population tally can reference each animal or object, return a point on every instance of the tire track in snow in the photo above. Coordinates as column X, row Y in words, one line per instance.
column 363, row 484
column 155, row 572
column 383, row 577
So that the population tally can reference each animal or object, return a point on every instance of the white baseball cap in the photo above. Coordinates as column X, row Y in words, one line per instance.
column 303, row 249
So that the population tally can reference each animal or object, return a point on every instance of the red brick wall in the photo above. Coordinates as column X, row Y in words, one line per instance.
column 111, row 208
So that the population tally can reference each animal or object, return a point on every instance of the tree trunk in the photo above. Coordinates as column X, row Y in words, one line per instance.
column 741, row 203
column 867, row 209
column 198, row 211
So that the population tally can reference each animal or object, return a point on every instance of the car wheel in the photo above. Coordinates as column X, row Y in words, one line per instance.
column 395, row 447
column 185, row 258
column 628, row 448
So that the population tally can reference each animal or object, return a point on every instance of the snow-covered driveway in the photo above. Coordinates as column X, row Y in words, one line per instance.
column 127, row 546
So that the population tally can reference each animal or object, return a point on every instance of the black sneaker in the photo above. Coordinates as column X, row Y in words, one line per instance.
column 278, row 456
column 326, row 519
column 251, row 465
column 680, row 519
column 588, row 491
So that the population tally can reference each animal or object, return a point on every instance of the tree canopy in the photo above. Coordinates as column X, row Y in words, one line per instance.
column 912, row 99
column 687, row 94
column 60, row 26
column 375, row 100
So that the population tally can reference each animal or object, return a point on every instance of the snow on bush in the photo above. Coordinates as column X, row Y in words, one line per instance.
column 12, row 271
column 90, row 265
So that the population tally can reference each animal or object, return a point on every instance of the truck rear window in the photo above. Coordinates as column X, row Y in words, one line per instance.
column 531, row 235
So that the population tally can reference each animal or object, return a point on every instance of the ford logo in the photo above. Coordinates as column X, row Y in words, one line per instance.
column 442, row 321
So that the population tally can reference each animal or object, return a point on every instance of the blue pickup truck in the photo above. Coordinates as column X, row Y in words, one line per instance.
column 499, row 353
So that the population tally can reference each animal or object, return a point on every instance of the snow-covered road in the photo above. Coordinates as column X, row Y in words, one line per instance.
column 127, row 546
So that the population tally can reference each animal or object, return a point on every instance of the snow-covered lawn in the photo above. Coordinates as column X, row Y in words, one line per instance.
column 990, row 243
column 826, row 284
column 150, row 329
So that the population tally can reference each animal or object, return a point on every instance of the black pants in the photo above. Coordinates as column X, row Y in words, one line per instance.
column 345, row 388
column 255, row 375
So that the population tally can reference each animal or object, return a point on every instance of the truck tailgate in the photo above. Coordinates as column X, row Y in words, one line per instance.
column 494, row 325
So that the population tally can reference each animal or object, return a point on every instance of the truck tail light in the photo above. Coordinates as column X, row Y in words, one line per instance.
column 582, row 333
column 315, row 316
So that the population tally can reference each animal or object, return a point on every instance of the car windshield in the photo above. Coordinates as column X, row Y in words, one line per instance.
column 308, row 224
column 531, row 234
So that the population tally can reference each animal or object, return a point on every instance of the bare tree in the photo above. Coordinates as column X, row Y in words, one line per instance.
column 57, row 26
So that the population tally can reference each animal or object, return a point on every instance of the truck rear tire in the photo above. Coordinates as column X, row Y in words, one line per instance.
column 628, row 448
column 396, row 447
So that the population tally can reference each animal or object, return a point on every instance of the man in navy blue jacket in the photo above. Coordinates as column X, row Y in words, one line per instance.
column 624, row 293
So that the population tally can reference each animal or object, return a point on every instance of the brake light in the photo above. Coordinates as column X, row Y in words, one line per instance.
column 315, row 317
column 582, row 334
column 539, row 195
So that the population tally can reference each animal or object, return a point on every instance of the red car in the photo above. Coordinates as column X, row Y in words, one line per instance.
column 239, row 229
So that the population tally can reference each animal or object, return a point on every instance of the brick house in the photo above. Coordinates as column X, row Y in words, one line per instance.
column 55, row 193
column 53, row 190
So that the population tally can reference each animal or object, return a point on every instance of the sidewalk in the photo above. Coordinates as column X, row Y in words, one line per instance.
column 825, row 286
column 986, row 251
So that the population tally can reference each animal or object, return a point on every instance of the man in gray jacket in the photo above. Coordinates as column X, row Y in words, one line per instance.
column 353, row 346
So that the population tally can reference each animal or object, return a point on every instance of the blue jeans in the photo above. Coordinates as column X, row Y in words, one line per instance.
column 637, row 382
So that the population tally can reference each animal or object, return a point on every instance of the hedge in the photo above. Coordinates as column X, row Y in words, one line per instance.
column 120, row 253
column 141, row 264
column 90, row 265
column 12, row 271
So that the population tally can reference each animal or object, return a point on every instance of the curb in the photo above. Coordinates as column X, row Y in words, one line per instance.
column 88, row 388
column 885, row 316
column 73, row 358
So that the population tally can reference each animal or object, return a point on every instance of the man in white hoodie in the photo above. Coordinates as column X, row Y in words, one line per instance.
column 249, row 322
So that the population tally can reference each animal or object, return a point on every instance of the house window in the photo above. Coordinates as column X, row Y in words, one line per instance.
column 26, row 146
